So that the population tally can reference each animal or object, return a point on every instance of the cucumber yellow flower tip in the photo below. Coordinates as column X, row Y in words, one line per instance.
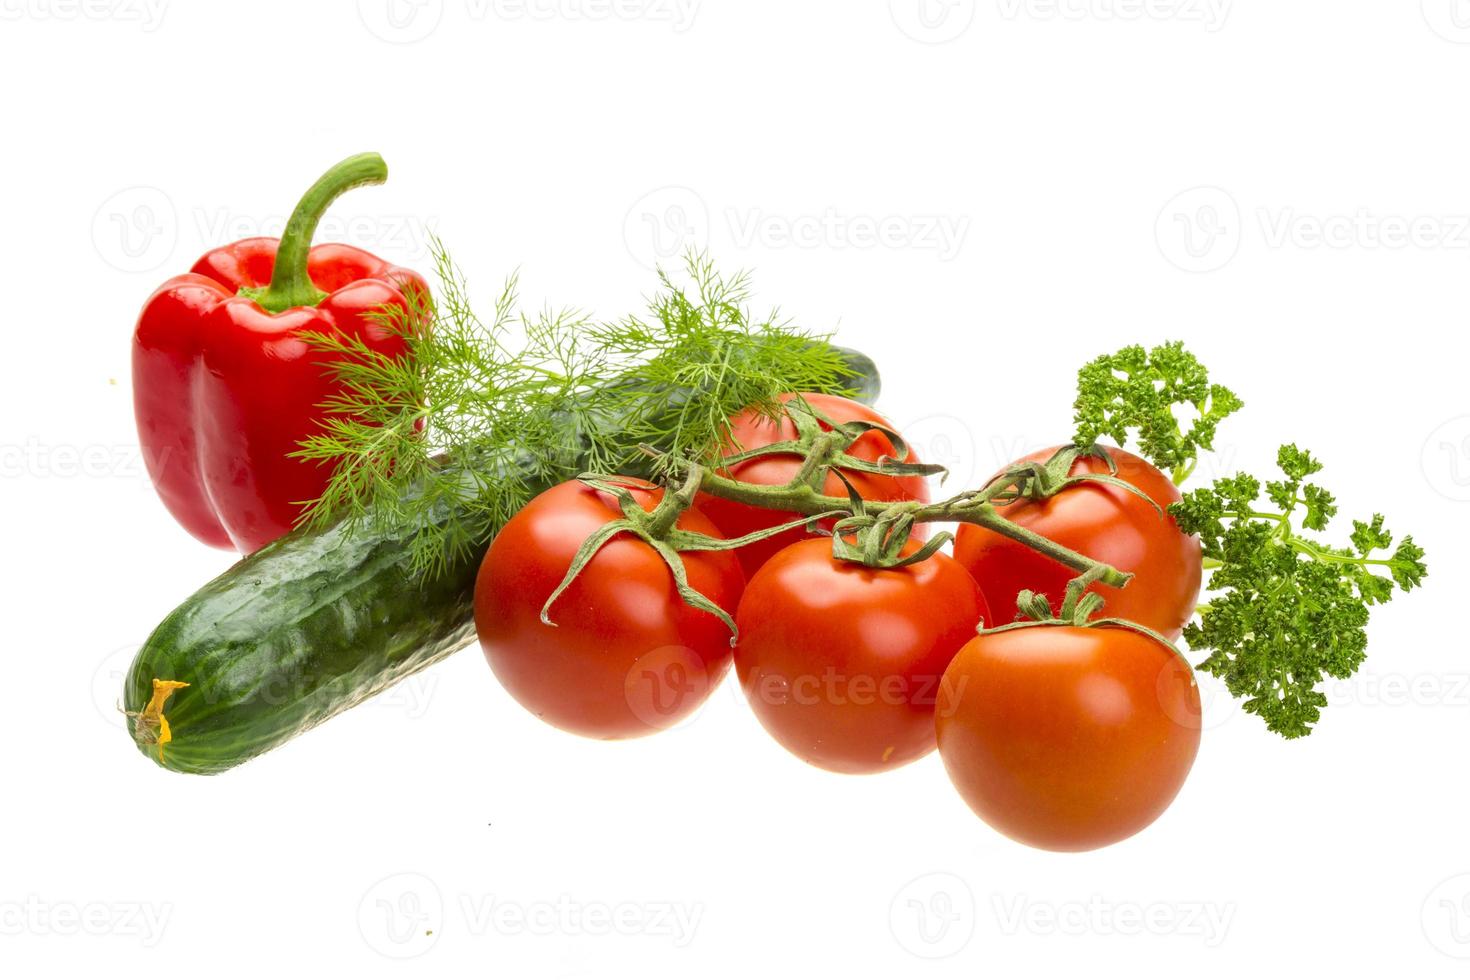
column 152, row 719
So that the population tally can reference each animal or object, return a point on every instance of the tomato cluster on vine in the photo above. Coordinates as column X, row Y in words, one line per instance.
column 859, row 647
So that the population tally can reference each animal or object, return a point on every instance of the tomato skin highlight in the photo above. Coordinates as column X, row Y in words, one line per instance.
column 843, row 663
column 1069, row 738
column 749, row 430
column 1105, row 523
column 627, row 657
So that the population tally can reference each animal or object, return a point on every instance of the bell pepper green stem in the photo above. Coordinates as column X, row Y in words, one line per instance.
column 290, row 284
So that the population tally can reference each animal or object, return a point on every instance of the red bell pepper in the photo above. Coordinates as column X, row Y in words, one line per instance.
column 225, row 387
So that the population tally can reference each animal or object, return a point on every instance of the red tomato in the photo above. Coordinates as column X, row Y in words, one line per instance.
column 1102, row 522
column 1069, row 738
column 842, row 663
column 750, row 431
column 627, row 656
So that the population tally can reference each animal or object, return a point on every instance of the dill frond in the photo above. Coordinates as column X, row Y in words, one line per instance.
column 449, row 440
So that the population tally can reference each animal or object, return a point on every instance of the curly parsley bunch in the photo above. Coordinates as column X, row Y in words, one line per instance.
column 1286, row 611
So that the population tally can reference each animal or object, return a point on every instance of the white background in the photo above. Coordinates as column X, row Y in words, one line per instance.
column 1282, row 186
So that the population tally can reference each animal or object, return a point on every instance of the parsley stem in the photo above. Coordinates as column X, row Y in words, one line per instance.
column 1301, row 544
column 1308, row 548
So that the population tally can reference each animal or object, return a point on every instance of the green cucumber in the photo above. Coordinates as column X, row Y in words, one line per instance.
column 301, row 630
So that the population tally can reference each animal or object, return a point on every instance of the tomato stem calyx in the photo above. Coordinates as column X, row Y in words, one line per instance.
column 659, row 529
column 823, row 444
column 1079, row 609
column 1037, row 481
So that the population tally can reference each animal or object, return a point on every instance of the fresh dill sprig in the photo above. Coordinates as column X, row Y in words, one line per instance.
column 705, row 340
column 452, row 438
